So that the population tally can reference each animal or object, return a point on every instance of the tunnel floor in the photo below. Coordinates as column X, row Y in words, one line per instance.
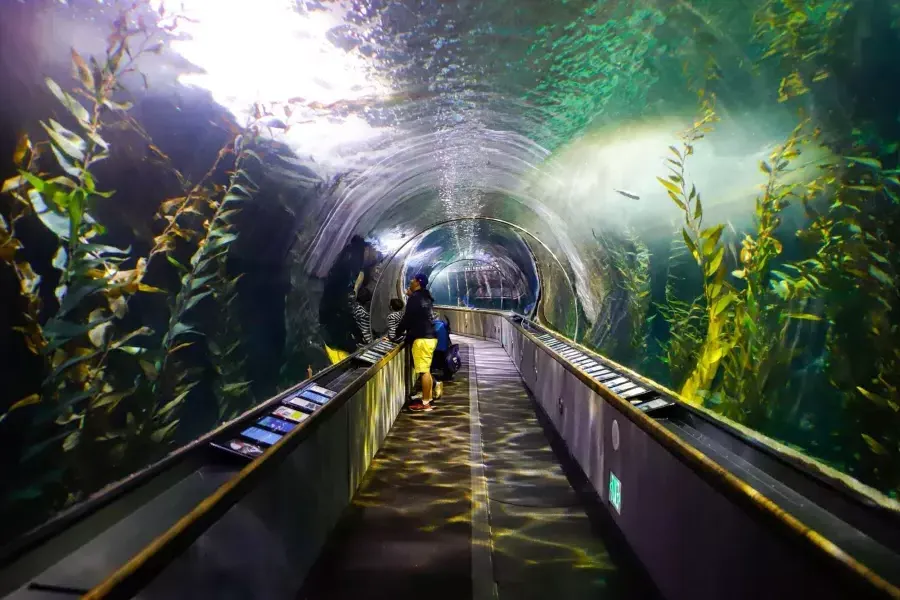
column 470, row 501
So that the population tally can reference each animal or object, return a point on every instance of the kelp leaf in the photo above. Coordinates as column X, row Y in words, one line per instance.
column 76, row 213
column 669, row 186
column 873, row 163
column 26, row 401
column 118, row 306
column 12, row 183
column 70, row 363
column 232, row 198
column 880, row 275
column 182, row 329
column 73, row 298
column 60, row 259
column 23, row 149
column 690, row 243
column 97, row 335
column 197, row 282
column 67, row 141
column 176, row 264
column 61, row 331
column 195, row 299
column 722, row 303
column 803, row 316
column 132, row 350
column 71, row 440
column 221, row 240
column 74, row 107
column 64, row 163
column 715, row 262
column 180, row 346
column 149, row 369
column 35, row 181
column 874, row 445
column 104, row 249
column 236, row 389
column 83, row 71
column 873, row 397
column 716, row 355
column 110, row 400
column 160, row 434
column 177, row 400
column 119, row 343
column 713, row 233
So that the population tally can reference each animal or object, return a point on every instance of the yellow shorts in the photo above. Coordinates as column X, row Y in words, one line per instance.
column 335, row 355
column 422, row 353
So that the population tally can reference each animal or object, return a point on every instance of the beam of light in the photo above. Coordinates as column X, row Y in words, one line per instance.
column 268, row 52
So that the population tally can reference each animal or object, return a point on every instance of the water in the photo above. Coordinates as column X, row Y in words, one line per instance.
column 404, row 123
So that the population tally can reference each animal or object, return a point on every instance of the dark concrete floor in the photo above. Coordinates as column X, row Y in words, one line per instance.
column 409, row 531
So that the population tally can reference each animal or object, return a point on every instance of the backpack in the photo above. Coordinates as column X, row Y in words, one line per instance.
column 454, row 362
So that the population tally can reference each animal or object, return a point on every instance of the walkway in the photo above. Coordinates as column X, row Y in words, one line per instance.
column 469, row 501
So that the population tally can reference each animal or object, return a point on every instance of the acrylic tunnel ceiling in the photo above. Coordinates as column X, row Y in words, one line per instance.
column 476, row 263
column 476, row 245
column 390, row 117
column 552, row 115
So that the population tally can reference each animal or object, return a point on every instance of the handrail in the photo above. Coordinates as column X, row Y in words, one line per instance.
column 715, row 475
column 131, row 577
column 810, row 466
column 142, row 568
column 115, row 490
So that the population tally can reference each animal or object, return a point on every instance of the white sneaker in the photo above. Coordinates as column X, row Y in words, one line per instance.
column 416, row 396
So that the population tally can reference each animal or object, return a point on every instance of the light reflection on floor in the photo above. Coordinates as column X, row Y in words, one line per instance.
column 408, row 531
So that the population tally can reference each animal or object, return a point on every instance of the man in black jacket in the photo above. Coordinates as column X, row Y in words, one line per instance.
column 418, row 327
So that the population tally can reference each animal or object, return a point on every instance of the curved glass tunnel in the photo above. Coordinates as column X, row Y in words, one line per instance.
column 476, row 263
column 705, row 192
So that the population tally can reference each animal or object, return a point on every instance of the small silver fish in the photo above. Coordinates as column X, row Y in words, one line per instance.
column 627, row 194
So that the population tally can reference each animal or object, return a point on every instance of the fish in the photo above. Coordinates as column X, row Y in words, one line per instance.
column 627, row 194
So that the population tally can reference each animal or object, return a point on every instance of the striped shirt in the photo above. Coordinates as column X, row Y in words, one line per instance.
column 393, row 320
column 363, row 321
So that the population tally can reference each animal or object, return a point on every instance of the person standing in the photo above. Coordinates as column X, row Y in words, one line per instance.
column 418, row 327
column 337, row 306
column 393, row 318
column 439, row 362
column 361, row 313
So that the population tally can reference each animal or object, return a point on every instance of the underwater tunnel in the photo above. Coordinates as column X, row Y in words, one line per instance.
column 661, row 237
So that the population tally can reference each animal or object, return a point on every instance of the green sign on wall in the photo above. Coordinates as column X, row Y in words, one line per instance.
column 615, row 492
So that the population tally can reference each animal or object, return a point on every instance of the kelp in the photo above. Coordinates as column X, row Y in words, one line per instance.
column 855, row 269
column 705, row 246
column 756, row 370
column 833, row 308
column 302, row 348
column 852, row 265
column 111, row 397
column 77, row 340
column 797, row 34
column 627, row 262
column 686, row 321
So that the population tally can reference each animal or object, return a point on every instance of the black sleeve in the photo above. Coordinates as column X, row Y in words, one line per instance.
column 402, row 326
